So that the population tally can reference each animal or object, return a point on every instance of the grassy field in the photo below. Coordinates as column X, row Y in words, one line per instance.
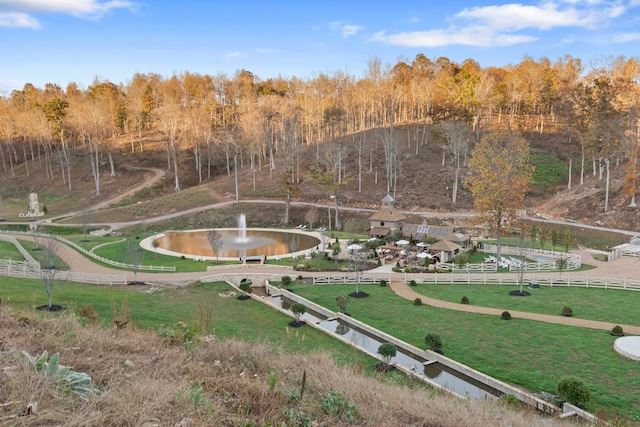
column 9, row 251
column 531, row 354
column 614, row 306
column 161, row 307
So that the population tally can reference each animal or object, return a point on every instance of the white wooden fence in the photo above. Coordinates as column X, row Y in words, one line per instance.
column 618, row 252
column 99, row 258
column 27, row 256
column 27, row 270
column 511, row 279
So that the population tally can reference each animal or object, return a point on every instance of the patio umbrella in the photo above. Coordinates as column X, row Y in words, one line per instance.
column 354, row 247
column 423, row 255
column 422, row 245
column 402, row 242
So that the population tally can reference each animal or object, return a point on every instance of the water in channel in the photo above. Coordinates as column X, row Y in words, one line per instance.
column 433, row 372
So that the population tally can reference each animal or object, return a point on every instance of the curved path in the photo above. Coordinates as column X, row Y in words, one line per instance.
column 622, row 266
column 402, row 289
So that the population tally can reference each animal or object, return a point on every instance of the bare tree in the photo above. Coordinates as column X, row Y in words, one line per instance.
column 85, row 222
column 456, row 136
column 134, row 254
column 215, row 241
column 311, row 216
column 50, row 265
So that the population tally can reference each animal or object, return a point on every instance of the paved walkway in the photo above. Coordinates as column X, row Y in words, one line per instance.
column 402, row 289
column 622, row 267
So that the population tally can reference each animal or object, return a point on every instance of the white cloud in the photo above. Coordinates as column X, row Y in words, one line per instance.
column 232, row 56
column 18, row 20
column 345, row 30
column 625, row 37
column 350, row 30
column 505, row 25
column 23, row 10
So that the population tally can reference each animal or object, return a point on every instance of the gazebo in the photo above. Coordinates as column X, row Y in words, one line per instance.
column 445, row 249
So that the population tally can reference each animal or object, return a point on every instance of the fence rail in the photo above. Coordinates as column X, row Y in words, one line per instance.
column 27, row 256
column 97, row 257
column 618, row 252
column 551, row 280
column 26, row 270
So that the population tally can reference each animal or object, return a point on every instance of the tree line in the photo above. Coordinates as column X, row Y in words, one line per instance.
column 222, row 123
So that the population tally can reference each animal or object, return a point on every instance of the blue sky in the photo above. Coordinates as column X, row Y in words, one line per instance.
column 62, row 41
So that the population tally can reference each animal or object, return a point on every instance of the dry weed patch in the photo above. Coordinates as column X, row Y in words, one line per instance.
column 143, row 378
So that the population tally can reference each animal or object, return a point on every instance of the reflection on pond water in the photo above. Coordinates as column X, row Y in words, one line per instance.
column 257, row 243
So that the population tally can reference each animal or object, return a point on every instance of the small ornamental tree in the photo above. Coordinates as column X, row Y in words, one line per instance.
column 244, row 286
column 298, row 310
column 285, row 280
column 433, row 342
column 461, row 259
column 342, row 302
column 574, row 391
column 387, row 351
column 156, row 245
column 567, row 240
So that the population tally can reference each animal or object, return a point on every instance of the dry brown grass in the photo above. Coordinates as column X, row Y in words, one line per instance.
column 146, row 381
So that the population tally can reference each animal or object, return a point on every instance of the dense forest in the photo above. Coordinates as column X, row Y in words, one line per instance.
column 222, row 123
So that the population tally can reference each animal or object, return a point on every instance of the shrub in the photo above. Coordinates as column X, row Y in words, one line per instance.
column 464, row 300
column 300, row 277
column 461, row 259
column 573, row 390
column 387, row 351
column 433, row 341
column 617, row 331
column 285, row 280
column 417, row 301
column 505, row 315
column 383, row 282
column 566, row 311
column 412, row 283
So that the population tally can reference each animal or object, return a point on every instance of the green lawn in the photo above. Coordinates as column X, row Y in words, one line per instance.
column 245, row 320
column 607, row 305
column 531, row 354
column 9, row 251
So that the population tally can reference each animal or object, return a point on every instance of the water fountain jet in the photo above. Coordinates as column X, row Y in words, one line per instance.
column 242, row 228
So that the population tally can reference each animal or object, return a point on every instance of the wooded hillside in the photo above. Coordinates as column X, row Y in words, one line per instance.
column 404, row 129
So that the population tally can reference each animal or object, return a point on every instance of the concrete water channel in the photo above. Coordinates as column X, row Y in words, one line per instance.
column 433, row 368
column 430, row 371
